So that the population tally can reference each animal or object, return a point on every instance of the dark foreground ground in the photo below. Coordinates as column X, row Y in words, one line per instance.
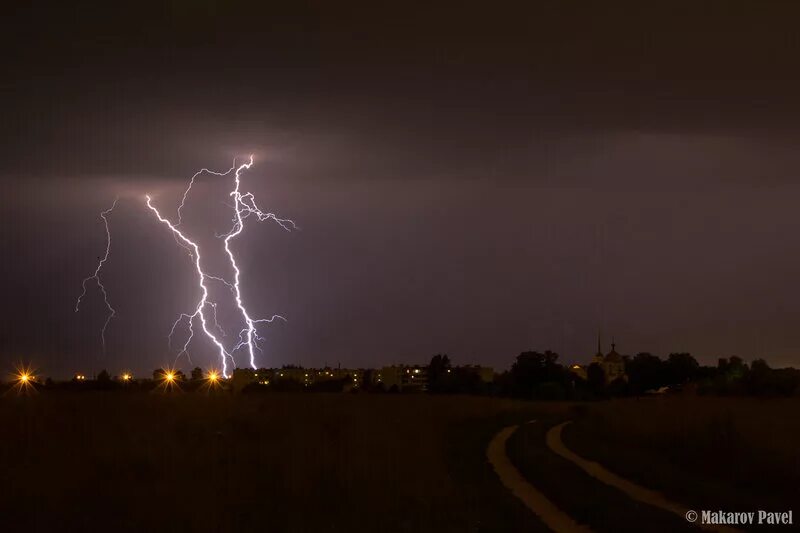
column 282, row 463
column 705, row 453
column 97, row 461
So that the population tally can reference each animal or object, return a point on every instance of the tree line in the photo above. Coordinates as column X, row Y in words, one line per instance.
column 536, row 375
column 539, row 375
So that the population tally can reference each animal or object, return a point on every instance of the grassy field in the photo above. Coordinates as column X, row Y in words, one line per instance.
column 709, row 453
column 296, row 462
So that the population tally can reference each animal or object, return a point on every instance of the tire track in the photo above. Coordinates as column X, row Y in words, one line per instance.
column 533, row 499
column 631, row 489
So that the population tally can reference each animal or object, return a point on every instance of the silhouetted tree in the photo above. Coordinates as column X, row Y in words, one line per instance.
column 533, row 368
column 681, row 368
column 736, row 367
column 438, row 373
column 464, row 380
column 596, row 378
column 645, row 372
column 103, row 381
column 367, row 379
column 618, row 387
column 550, row 390
column 758, row 379
column 197, row 374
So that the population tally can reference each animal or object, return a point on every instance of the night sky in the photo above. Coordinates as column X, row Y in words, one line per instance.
column 475, row 179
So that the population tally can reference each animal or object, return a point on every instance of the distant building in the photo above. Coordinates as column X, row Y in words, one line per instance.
column 405, row 378
column 241, row 378
column 304, row 376
column 402, row 377
column 612, row 363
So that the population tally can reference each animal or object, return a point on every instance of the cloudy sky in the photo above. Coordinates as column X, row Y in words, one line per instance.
column 472, row 179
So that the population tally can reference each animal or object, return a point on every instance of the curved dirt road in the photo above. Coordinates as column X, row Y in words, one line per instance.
column 537, row 502
column 573, row 494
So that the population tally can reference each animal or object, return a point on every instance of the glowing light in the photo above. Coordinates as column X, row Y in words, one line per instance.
column 169, row 378
column 96, row 276
column 24, row 379
column 126, row 377
column 244, row 207
column 213, row 376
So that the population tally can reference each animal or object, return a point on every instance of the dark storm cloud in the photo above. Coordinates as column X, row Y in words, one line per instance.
column 472, row 180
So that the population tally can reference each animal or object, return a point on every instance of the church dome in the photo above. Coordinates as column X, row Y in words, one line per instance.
column 613, row 356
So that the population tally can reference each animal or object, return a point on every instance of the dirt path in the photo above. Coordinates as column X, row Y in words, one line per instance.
column 632, row 490
column 537, row 502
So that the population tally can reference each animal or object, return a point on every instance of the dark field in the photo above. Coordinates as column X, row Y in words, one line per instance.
column 98, row 461
column 707, row 452
column 298, row 462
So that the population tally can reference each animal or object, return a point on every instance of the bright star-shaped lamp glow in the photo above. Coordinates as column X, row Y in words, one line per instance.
column 169, row 378
column 24, row 379
column 213, row 380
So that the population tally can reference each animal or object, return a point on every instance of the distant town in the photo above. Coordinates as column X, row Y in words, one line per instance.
column 533, row 375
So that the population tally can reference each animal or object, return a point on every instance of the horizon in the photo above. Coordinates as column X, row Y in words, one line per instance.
column 13, row 371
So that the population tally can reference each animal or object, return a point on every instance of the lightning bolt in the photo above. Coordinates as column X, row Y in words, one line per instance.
column 244, row 207
column 96, row 276
column 248, row 336
column 200, row 309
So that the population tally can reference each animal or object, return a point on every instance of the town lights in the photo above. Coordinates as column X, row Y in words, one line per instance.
column 169, row 378
column 213, row 376
column 24, row 376
column 126, row 377
column 24, row 379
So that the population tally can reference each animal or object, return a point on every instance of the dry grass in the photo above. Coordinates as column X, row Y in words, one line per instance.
column 301, row 462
